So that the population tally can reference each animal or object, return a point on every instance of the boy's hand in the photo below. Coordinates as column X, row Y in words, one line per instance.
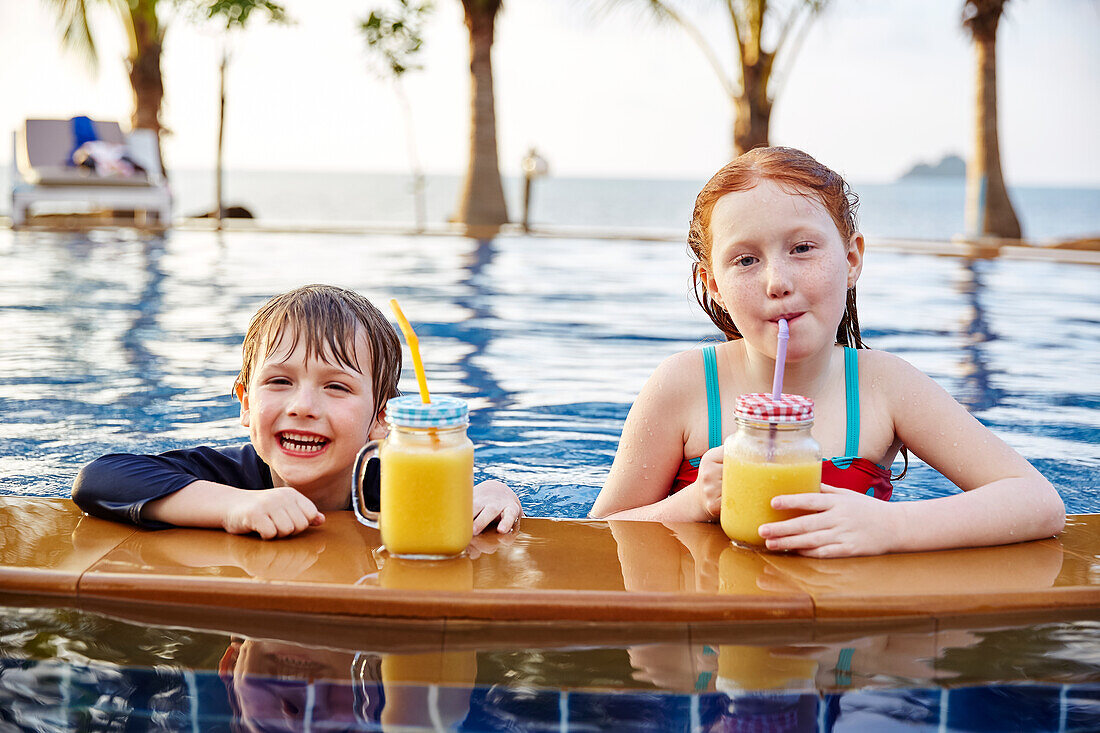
column 843, row 523
column 708, row 485
column 279, row 512
column 495, row 502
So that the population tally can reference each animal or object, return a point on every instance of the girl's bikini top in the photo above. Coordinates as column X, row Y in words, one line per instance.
column 847, row 472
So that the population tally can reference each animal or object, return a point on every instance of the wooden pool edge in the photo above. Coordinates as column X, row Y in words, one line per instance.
column 550, row 571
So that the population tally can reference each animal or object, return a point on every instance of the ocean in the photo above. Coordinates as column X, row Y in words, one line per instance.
column 925, row 209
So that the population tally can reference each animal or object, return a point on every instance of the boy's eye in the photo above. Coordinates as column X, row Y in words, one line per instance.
column 744, row 261
column 802, row 248
column 339, row 387
column 278, row 380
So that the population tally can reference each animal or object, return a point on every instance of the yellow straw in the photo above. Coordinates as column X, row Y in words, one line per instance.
column 414, row 347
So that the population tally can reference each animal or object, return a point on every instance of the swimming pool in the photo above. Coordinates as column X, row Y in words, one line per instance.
column 72, row 669
column 117, row 341
column 120, row 341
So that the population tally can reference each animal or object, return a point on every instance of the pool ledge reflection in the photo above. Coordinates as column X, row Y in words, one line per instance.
column 549, row 570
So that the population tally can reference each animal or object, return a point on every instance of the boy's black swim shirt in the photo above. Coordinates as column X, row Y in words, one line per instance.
column 118, row 485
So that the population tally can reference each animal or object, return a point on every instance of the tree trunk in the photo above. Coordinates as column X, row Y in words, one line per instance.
column 481, row 204
column 989, row 211
column 752, row 108
column 221, row 135
column 145, row 76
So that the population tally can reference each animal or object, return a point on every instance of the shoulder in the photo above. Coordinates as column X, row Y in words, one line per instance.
column 678, row 374
column 882, row 365
column 899, row 384
column 242, row 454
column 682, row 363
column 236, row 465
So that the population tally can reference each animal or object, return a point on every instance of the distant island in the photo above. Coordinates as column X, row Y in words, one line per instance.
column 952, row 166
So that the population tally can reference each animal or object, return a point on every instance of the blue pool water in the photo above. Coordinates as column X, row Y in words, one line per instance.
column 116, row 341
column 65, row 669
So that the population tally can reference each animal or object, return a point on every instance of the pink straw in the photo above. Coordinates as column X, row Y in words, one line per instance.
column 780, row 358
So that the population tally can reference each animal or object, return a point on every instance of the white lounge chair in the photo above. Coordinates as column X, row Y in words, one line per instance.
column 41, row 172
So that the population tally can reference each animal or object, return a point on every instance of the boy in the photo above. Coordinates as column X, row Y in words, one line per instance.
column 319, row 364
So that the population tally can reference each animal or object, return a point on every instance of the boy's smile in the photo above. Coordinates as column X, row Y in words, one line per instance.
column 301, row 444
column 307, row 418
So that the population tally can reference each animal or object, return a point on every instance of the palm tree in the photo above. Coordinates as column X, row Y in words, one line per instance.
column 988, row 208
column 754, row 84
column 232, row 15
column 145, row 33
column 481, row 202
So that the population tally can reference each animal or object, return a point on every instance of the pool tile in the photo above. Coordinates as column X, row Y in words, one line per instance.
column 1081, row 536
column 608, row 572
column 697, row 563
column 1011, row 577
column 625, row 572
column 571, row 655
column 464, row 633
column 47, row 543
column 335, row 631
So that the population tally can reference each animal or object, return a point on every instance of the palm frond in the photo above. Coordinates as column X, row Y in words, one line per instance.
column 75, row 28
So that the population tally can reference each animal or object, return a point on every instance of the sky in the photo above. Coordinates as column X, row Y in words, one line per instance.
column 875, row 87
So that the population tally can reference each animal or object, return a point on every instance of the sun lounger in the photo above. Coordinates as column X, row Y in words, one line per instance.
column 41, row 172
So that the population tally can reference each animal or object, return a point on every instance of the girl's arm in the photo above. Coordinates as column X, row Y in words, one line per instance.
column 651, row 449
column 1005, row 499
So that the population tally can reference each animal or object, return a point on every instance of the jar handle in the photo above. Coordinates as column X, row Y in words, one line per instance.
column 367, row 468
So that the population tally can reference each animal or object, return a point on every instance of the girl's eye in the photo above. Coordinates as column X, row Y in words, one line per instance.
column 339, row 387
column 744, row 261
column 278, row 381
column 802, row 248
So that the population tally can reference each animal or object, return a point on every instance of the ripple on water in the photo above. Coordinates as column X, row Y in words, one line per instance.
column 118, row 342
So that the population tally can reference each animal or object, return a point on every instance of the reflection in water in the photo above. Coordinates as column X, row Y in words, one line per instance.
column 537, row 332
column 979, row 391
column 76, row 670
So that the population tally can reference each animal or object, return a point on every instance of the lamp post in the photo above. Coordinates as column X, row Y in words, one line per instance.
column 534, row 166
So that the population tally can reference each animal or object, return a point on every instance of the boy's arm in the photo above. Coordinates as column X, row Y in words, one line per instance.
column 279, row 512
column 118, row 486
column 198, row 487
column 495, row 502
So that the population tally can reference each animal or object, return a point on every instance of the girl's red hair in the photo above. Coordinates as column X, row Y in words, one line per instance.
column 800, row 174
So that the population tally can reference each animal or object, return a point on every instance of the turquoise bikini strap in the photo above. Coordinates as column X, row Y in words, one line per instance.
column 714, row 398
column 851, row 390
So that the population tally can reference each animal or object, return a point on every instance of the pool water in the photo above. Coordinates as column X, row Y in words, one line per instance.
column 119, row 341
column 67, row 669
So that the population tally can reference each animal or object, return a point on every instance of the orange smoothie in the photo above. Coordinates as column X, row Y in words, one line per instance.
column 763, row 668
column 428, row 691
column 427, row 498
column 748, row 488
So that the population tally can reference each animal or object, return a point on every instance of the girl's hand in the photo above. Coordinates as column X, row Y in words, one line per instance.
column 495, row 502
column 708, row 485
column 279, row 512
column 843, row 523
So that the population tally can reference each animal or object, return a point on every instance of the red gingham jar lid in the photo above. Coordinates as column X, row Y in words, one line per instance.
column 789, row 408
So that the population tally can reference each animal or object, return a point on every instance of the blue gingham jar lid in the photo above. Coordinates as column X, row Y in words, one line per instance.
column 442, row 412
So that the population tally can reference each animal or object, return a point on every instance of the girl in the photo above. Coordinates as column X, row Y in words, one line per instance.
column 773, row 236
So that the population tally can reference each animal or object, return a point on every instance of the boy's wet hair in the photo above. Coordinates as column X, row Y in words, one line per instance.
column 328, row 318
column 797, row 172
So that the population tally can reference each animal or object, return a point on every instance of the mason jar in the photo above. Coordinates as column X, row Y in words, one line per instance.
column 426, row 482
column 771, row 453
